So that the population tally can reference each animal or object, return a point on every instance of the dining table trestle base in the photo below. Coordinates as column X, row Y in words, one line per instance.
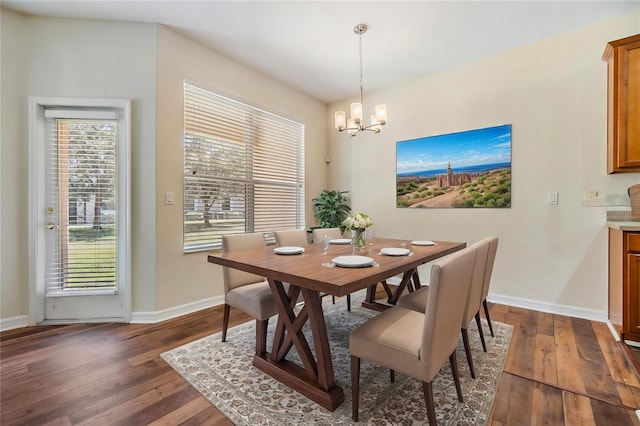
column 410, row 282
column 314, row 378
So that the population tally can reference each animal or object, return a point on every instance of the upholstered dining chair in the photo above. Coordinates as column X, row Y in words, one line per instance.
column 413, row 343
column 247, row 292
column 418, row 300
column 296, row 237
column 318, row 233
column 493, row 248
column 333, row 233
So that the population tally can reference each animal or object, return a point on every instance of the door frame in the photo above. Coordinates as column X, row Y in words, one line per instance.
column 37, row 199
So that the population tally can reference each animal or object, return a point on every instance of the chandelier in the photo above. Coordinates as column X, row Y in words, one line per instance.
column 356, row 123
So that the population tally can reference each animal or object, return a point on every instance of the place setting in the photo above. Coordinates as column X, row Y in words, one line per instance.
column 354, row 261
column 288, row 250
column 395, row 251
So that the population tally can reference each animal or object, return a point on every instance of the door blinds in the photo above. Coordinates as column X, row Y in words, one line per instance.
column 81, row 202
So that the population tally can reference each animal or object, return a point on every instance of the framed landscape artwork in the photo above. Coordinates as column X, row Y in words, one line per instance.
column 468, row 169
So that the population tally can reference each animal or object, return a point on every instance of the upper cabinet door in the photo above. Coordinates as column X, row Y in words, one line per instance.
column 623, row 104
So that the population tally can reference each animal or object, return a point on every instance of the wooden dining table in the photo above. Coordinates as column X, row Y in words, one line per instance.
column 305, row 275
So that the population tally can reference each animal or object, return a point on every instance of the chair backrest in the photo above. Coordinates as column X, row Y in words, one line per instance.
column 491, row 257
column 449, row 285
column 235, row 242
column 477, row 279
column 296, row 238
column 318, row 233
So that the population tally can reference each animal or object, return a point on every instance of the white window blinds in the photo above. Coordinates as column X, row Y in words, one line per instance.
column 81, row 214
column 243, row 169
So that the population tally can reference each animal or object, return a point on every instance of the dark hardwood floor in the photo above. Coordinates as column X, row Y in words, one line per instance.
column 559, row 370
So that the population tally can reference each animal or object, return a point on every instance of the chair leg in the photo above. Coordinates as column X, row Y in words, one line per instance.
column 467, row 350
column 355, row 387
column 349, row 302
column 486, row 314
column 480, row 332
column 261, row 336
column 333, row 299
column 392, row 375
column 427, row 390
column 456, row 376
column 225, row 321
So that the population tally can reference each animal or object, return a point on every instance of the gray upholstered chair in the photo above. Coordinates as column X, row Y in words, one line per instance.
column 333, row 233
column 413, row 343
column 493, row 248
column 247, row 292
column 418, row 300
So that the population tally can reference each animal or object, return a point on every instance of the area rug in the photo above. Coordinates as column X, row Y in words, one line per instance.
column 223, row 373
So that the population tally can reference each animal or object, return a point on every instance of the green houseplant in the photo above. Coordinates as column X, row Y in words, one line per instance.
column 332, row 208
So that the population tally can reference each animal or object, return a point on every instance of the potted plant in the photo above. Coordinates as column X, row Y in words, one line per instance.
column 332, row 208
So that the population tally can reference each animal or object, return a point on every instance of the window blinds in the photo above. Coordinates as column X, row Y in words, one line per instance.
column 243, row 169
column 81, row 217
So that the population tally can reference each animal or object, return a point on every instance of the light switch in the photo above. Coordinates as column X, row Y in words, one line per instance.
column 168, row 198
column 552, row 198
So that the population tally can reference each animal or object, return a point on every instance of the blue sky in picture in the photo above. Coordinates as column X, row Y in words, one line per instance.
column 465, row 150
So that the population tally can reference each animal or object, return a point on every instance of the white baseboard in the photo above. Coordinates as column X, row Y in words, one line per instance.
column 14, row 322
column 613, row 331
column 552, row 308
column 176, row 311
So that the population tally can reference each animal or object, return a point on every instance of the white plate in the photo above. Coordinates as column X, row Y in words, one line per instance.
column 288, row 250
column 423, row 243
column 352, row 261
column 340, row 241
column 395, row 251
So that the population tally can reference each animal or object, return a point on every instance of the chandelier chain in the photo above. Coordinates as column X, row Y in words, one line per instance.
column 360, row 48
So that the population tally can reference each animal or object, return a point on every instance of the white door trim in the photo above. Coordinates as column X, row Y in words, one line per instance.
column 37, row 201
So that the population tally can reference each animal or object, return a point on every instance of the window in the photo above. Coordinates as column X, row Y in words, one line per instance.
column 243, row 169
column 82, row 198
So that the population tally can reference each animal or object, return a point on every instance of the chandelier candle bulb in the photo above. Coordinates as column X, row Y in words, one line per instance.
column 341, row 120
column 381, row 113
column 375, row 126
column 356, row 112
column 352, row 127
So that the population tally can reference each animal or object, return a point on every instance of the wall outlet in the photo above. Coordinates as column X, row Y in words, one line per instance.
column 590, row 194
column 168, row 198
column 552, row 198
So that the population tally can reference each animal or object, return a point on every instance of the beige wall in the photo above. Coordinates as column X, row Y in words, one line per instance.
column 553, row 93
column 145, row 63
column 184, row 278
column 50, row 57
column 13, row 180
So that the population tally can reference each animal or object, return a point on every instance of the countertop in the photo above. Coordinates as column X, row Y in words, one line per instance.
column 624, row 226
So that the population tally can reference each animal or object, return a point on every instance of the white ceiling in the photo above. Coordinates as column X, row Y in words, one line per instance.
column 310, row 45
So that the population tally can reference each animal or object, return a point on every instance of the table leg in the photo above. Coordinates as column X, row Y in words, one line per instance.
column 315, row 378
column 371, row 303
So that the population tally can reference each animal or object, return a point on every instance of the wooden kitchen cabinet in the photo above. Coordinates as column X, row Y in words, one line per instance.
column 624, row 283
column 623, row 104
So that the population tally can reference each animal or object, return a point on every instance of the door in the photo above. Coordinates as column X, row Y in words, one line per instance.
column 82, row 213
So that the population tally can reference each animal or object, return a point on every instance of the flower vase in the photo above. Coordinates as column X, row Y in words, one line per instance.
column 359, row 239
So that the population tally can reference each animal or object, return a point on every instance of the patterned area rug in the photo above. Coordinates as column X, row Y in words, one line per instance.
column 223, row 373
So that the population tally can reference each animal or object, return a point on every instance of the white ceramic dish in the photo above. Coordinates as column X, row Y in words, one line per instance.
column 423, row 243
column 340, row 241
column 352, row 261
column 288, row 250
column 395, row 251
